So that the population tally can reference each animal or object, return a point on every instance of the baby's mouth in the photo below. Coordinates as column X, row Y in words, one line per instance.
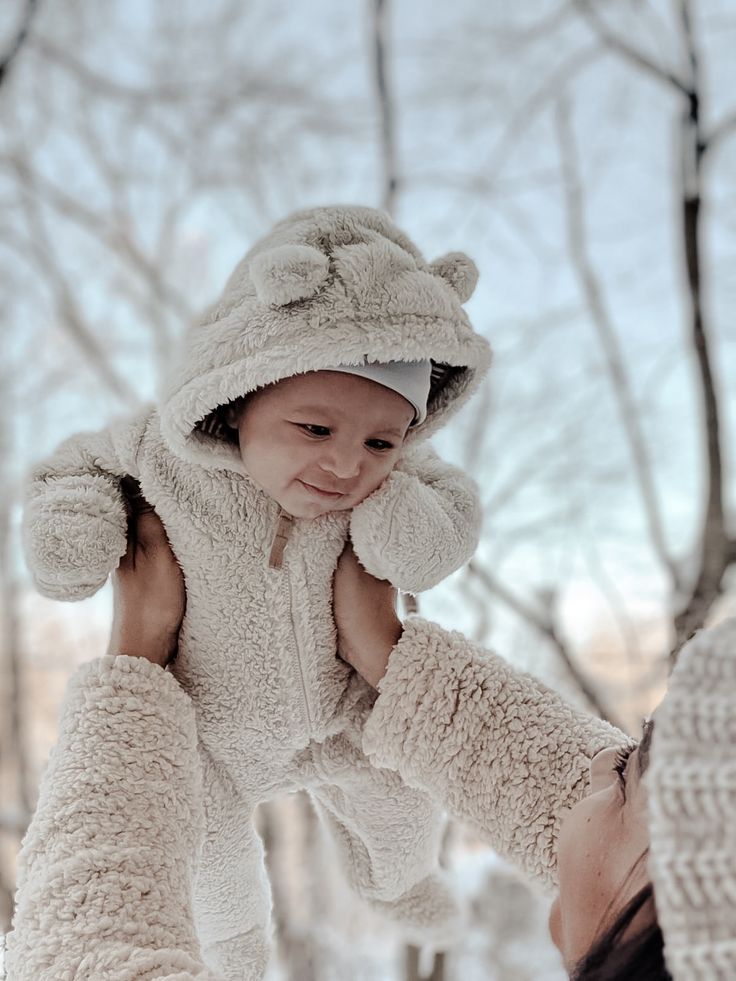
column 319, row 492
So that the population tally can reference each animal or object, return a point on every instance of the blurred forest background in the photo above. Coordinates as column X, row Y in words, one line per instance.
column 582, row 152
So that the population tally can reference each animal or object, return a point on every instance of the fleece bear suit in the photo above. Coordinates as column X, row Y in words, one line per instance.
column 276, row 709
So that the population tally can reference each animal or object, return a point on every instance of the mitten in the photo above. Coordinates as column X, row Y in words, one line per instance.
column 75, row 520
column 420, row 525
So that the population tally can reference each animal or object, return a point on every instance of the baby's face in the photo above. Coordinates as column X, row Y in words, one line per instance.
column 322, row 441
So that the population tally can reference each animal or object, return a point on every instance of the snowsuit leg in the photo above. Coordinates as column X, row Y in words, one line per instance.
column 387, row 836
column 232, row 895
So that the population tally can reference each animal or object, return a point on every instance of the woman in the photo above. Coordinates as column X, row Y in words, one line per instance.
column 631, row 841
column 107, row 864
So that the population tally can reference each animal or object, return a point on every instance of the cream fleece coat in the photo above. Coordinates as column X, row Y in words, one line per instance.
column 106, row 870
column 276, row 710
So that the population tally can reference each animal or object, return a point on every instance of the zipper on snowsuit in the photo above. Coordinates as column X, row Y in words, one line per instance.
column 281, row 537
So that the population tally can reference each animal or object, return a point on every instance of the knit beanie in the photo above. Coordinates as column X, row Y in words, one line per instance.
column 340, row 285
column 410, row 379
column 691, row 786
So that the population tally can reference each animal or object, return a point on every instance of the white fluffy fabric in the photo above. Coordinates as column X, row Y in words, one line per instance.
column 107, row 869
column 257, row 648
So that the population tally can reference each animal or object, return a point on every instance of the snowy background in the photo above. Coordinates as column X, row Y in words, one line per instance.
column 563, row 145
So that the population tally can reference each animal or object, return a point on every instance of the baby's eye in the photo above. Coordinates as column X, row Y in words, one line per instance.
column 314, row 430
column 379, row 444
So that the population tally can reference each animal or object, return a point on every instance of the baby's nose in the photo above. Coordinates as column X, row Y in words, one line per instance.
column 342, row 465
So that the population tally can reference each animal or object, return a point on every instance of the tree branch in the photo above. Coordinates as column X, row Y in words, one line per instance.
column 115, row 239
column 720, row 132
column 626, row 50
column 385, row 107
column 539, row 99
column 14, row 704
column 70, row 318
column 546, row 629
column 19, row 39
column 593, row 292
column 713, row 559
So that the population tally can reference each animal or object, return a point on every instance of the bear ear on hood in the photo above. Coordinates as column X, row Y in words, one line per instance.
column 287, row 273
column 458, row 271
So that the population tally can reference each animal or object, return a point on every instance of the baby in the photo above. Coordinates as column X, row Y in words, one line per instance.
column 293, row 422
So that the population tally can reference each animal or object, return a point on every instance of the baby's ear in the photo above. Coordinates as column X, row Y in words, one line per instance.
column 458, row 271
column 287, row 273
column 231, row 415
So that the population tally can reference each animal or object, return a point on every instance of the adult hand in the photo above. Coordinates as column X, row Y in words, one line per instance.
column 365, row 615
column 149, row 596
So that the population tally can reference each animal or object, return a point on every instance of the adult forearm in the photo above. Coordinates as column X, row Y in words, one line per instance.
column 493, row 744
column 107, row 865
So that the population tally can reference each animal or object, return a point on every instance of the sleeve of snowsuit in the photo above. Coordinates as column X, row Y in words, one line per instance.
column 106, row 867
column 494, row 745
column 74, row 521
column 422, row 523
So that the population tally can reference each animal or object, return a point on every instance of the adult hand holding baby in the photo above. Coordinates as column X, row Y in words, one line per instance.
column 365, row 615
column 149, row 599
column 149, row 596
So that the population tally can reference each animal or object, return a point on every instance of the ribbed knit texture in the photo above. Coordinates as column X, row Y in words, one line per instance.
column 692, row 809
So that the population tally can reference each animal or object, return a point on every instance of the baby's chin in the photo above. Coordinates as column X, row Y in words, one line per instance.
column 315, row 510
column 300, row 505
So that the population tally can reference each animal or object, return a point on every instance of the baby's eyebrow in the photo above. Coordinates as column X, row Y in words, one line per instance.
column 315, row 409
column 642, row 757
column 331, row 415
column 390, row 432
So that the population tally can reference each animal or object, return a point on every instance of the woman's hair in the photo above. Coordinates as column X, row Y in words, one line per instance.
column 640, row 958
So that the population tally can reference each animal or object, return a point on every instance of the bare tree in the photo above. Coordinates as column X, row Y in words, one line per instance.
column 385, row 98
column 581, row 39
column 18, row 800
column 694, row 591
column 21, row 34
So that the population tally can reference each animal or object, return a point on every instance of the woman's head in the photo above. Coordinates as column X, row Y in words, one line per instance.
column 636, row 954
column 601, row 853
column 664, row 834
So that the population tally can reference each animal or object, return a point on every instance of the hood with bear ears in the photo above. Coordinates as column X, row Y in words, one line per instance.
column 327, row 286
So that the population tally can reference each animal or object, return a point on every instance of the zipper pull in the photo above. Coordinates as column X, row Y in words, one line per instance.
column 283, row 532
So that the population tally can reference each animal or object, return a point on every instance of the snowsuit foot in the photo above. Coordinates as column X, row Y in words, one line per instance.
column 232, row 896
column 387, row 837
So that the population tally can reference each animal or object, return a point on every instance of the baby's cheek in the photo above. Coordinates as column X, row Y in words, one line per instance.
column 378, row 481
